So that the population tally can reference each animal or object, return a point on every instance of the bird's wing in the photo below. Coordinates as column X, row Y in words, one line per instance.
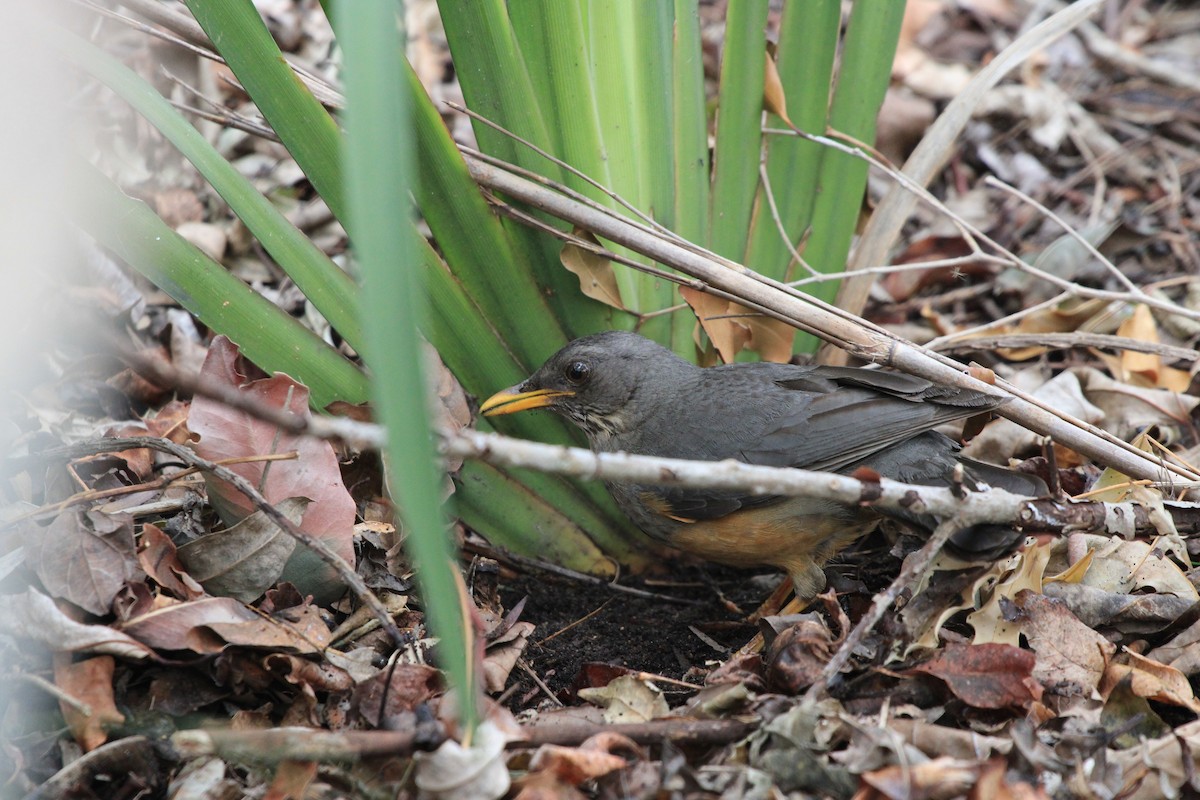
column 832, row 419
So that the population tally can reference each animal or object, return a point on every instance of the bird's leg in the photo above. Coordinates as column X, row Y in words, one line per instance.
column 807, row 578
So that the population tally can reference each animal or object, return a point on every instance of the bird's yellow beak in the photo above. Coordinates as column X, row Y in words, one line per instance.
column 511, row 401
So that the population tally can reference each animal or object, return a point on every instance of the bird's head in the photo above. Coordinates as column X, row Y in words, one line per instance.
column 592, row 382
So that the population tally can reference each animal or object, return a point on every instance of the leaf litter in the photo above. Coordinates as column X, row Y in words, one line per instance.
column 1066, row 670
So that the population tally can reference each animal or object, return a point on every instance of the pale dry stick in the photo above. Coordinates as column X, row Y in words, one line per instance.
column 1111, row 268
column 994, row 505
column 194, row 41
column 1098, row 177
column 917, row 266
column 931, row 153
column 940, row 342
column 567, row 191
column 1065, row 341
column 832, row 325
column 765, row 178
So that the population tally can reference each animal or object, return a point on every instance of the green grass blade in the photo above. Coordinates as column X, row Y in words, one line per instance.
column 513, row 508
column 331, row 291
column 267, row 335
column 866, row 63
column 495, row 83
column 475, row 244
column 739, row 128
column 555, row 48
column 808, row 40
column 379, row 172
column 304, row 127
column 690, row 149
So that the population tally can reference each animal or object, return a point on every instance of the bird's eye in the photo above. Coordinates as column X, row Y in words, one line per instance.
column 578, row 371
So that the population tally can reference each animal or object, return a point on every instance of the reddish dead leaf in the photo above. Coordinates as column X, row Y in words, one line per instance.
column 544, row 786
column 184, row 626
column 159, row 560
column 139, row 387
column 986, row 675
column 1071, row 657
column 904, row 284
column 170, row 422
column 291, row 781
column 596, row 277
column 227, row 433
column 319, row 675
column 139, row 459
column 84, row 558
column 89, row 682
column 307, row 634
column 993, row 784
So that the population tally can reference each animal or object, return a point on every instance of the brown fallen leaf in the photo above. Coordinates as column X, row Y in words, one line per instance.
column 244, row 560
column 596, row 277
column 158, row 558
column 89, row 682
column 986, row 675
column 1149, row 679
column 627, row 699
column 1071, row 657
column 84, row 557
column 774, row 97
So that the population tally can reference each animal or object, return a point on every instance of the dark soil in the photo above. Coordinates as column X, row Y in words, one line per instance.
column 656, row 635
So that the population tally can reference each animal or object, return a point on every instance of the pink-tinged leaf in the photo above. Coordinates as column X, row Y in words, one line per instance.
column 227, row 433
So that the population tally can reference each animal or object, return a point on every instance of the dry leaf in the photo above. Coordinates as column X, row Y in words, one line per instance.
column 89, row 682
column 774, row 97
column 597, row 279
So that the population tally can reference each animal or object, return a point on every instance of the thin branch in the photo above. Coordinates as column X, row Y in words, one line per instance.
column 1064, row 341
column 993, row 181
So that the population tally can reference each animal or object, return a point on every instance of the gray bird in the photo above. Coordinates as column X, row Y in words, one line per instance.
column 630, row 394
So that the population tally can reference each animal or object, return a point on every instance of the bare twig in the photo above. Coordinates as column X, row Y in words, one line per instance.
column 1064, row 341
column 306, row 744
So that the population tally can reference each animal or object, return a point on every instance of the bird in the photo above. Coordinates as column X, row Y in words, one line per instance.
column 628, row 393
